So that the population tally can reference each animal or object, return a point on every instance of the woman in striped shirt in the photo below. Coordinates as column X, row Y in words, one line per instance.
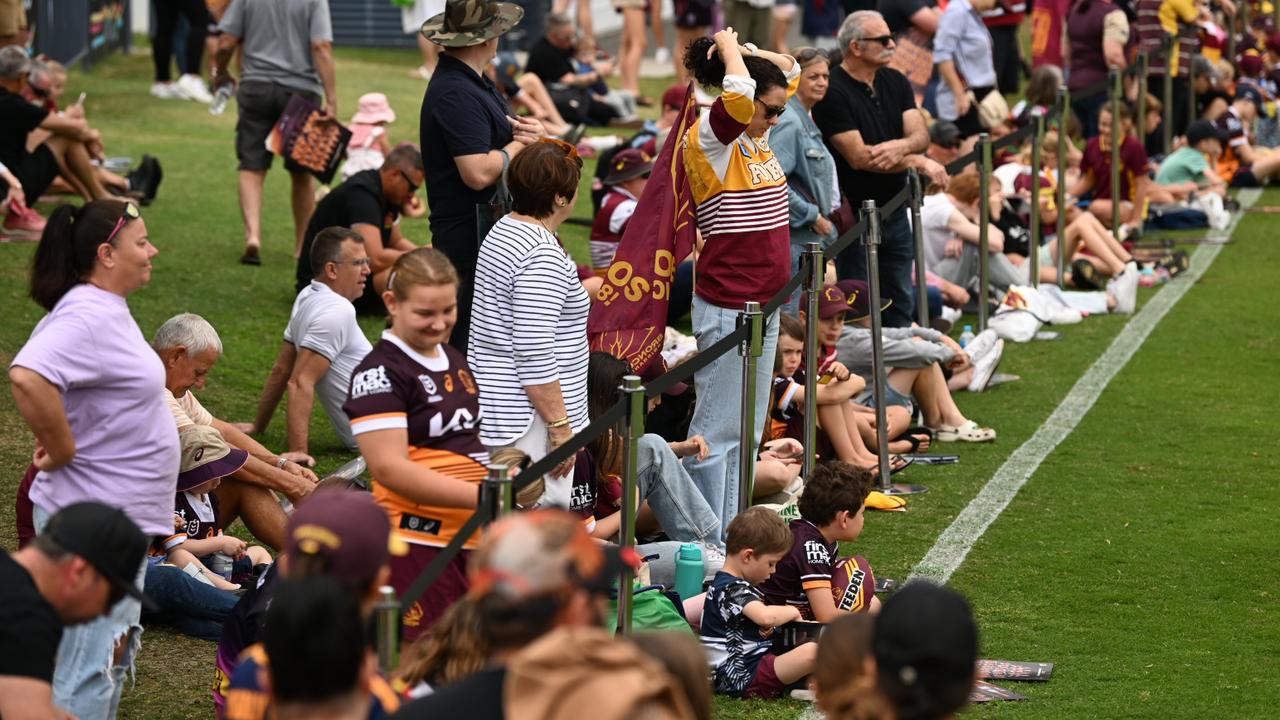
column 741, row 196
column 528, row 344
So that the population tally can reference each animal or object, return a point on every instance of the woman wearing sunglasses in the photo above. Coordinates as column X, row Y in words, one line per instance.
column 91, row 389
column 740, row 193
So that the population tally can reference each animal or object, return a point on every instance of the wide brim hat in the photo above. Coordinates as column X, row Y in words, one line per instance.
column 470, row 22
column 628, row 164
column 373, row 108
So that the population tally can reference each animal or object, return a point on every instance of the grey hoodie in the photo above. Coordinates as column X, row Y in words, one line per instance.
column 900, row 349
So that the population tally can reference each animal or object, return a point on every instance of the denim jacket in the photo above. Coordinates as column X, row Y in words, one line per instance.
column 797, row 143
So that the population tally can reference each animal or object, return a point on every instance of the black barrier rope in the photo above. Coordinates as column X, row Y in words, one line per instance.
column 685, row 370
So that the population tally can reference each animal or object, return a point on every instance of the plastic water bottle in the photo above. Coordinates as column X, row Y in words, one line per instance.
column 966, row 337
column 221, row 564
column 220, row 98
column 689, row 571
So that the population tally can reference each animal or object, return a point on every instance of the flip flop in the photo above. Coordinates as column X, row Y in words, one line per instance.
column 915, row 437
column 250, row 257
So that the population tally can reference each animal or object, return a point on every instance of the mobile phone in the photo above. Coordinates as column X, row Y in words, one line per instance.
column 826, row 378
column 80, row 100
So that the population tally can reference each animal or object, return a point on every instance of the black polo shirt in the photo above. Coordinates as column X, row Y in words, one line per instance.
column 876, row 115
column 549, row 62
column 463, row 113
column 358, row 201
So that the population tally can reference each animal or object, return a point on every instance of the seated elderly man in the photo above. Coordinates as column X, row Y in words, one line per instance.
column 66, row 152
column 189, row 346
column 322, row 344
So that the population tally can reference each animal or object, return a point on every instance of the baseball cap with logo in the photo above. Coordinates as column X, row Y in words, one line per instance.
column 107, row 539
column 628, row 164
column 348, row 529
column 858, row 298
column 470, row 22
column 205, row 456
column 831, row 301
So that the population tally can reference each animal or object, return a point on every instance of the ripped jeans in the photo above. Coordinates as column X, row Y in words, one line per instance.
column 86, row 681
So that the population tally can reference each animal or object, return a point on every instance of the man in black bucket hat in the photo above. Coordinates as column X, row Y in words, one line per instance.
column 469, row 135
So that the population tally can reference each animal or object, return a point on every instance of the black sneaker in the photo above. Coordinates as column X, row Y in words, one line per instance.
column 154, row 175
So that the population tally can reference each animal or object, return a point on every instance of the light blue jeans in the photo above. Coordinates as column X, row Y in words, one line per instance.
column 717, row 413
column 85, row 681
column 676, row 502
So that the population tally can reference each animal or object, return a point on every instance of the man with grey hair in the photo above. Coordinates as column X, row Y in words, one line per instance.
column 552, row 60
column 68, row 146
column 322, row 344
column 876, row 133
column 189, row 347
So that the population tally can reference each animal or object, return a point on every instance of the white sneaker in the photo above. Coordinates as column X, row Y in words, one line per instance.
column 712, row 558
column 167, row 91
column 981, row 344
column 951, row 315
column 1125, row 289
column 662, row 55
column 192, row 88
column 985, row 366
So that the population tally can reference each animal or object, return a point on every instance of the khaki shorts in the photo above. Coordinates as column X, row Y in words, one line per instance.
column 13, row 17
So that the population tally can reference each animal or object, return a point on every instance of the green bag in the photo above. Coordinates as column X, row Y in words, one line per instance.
column 650, row 610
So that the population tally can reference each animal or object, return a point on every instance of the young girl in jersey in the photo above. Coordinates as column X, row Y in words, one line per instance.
column 740, row 196
column 415, row 413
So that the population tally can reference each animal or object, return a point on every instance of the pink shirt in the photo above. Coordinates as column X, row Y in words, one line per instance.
column 112, row 386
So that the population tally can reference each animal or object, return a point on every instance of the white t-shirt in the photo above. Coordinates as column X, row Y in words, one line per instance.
column 935, row 213
column 324, row 322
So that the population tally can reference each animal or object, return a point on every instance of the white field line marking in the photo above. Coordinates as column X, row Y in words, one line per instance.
column 954, row 544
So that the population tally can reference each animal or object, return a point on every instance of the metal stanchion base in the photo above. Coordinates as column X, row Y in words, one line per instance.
column 903, row 489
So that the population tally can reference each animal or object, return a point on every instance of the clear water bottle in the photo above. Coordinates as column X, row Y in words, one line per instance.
column 966, row 337
column 220, row 98
column 221, row 564
column 689, row 573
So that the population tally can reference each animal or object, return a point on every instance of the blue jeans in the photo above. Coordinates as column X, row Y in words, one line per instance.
column 897, row 255
column 717, row 413
column 679, row 508
column 189, row 606
column 86, row 682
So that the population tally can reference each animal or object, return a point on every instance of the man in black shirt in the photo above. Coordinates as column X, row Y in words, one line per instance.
column 468, row 136
column 369, row 203
column 85, row 561
column 551, row 59
column 68, row 146
column 876, row 133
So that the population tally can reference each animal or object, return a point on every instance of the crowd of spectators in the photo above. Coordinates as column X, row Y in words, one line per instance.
column 485, row 356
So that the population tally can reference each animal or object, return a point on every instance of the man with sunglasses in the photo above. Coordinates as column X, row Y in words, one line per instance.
column 370, row 203
column 84, row 562
column 876, row 133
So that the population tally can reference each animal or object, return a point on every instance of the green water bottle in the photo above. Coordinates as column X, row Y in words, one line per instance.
column 689, row 573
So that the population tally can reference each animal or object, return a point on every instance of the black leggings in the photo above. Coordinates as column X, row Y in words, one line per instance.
column 198, row 20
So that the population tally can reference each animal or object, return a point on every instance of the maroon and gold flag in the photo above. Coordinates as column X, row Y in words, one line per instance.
column 629, row 318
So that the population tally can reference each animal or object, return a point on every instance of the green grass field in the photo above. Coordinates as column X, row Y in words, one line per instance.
column 1141, row 557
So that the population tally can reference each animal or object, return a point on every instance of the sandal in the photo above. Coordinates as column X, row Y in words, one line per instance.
column 968, row 432
column 250, row 256
column 915, row 437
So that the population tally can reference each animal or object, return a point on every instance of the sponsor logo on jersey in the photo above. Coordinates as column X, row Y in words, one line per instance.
column 461, row 420
column 816, row 553
column 370, row 382
column 468, row 382
column 850, row 599
column 419, row 524
column 428, row 384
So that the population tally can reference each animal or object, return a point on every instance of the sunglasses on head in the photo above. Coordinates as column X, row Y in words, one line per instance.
column 809, row 54
column 130, row 213
column 772, row 111
column 570, row 150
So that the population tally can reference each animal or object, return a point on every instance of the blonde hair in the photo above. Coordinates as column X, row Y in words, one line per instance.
column 424, row 266
column 516, row 460
column 455, row 648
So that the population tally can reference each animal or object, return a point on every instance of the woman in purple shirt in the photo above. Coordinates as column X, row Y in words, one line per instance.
column 91, row 390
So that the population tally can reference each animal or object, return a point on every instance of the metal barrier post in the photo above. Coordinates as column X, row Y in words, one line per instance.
column 917, row 232
column 879, row 374
column 814, row 266
column 498, row 492
column 387, row 626
column 984, row 225
column 1060, row 184
column 632, row 430
column 1113, row 77
column 1166, row 123
column 1033, row 251
column 751, row 349
column 1191, row 88
column 1143, row 63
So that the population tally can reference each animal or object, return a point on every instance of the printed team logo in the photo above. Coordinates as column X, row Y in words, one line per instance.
column 370, row 382
column 448, row 383
column 816, row 553
column 413, row 616
column 428, row 384
column 468, row 382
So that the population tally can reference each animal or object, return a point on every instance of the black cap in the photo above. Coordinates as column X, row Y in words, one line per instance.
column 107, row 539
column 945, row 133
column 926, row 635
column 1203, row 130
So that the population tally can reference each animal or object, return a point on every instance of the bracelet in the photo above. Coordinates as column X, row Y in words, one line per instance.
column 562, row 422
column 281, row 462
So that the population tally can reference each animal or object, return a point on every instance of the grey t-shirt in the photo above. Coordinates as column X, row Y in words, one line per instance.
column 324, row 322
column 277, row 37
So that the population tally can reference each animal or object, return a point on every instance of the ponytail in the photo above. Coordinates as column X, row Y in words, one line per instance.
column 709, row 72
column 68, row 249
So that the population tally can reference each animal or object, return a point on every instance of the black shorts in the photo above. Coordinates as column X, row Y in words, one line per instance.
column 36, row 171
column 260, row 105
column 693, row 14
column 1244, row 178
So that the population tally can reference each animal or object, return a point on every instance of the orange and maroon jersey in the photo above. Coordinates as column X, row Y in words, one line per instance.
column 435, row 401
